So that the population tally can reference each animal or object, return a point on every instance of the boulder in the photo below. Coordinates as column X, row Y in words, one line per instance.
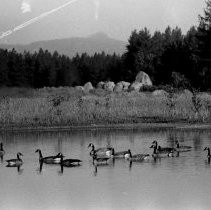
column 88, row 86
column 118, row 87
column 125, row 85
column 100, row 85
column 109, row 86
column 187, row 92
column 81, row 88
column 135, row 86
column 143, row 78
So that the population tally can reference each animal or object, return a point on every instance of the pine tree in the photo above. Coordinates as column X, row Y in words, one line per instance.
column 204, row 41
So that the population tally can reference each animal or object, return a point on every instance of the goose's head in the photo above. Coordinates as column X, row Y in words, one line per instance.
column 38, row 150
column 155, row 143
column 19, row 154
column 59, row 154
column 152, row 146
column 90, row 145
column 206, row 148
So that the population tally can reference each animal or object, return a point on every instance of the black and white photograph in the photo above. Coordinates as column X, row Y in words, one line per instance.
column 105, row 104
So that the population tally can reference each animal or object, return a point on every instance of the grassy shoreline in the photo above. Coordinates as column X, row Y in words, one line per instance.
column 184, row 126
column 67, row 107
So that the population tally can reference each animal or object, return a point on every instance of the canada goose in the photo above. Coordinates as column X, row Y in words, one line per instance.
column 49, row 159
column 163, row 149
column 208, row 151
column 15, row 162
column 182, row 148
column 69, row 162
column 136, row 157
column 158, row 153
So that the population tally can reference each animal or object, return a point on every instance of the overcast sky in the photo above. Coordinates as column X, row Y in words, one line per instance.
column 117, row 18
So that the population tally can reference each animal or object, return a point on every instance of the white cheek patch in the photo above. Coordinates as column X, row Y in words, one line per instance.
column 127, row 156
column 108, row 153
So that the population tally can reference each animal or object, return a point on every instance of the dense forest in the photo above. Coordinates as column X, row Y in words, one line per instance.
column 169, row 57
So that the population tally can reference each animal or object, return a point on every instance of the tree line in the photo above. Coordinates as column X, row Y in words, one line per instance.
column 169, row 57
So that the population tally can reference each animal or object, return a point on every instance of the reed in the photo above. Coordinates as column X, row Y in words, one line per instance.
column 66, row 106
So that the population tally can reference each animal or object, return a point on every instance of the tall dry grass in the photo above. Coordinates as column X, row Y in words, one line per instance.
column 66, row 106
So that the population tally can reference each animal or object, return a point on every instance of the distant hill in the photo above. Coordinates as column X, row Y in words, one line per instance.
column 70, row 46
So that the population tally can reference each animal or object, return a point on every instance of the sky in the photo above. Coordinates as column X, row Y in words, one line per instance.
column 25, row 21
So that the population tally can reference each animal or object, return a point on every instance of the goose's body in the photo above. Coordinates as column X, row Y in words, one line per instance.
column 100, row 159
column 158, row 153
column 208, row 152
column 114, row 154
column 163, row 150
column 136, row 157
column 49, row 159
column 15, row 162
column 70, row 162
column 182, row 148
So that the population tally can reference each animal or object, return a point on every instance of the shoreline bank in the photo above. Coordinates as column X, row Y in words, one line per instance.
column 184, row 126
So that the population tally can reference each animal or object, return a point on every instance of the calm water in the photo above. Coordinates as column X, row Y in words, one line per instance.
column 182, row 182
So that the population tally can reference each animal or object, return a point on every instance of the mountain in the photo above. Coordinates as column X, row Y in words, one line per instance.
column 70, row 46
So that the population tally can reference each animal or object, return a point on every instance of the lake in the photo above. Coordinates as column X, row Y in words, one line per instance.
column 182, row 182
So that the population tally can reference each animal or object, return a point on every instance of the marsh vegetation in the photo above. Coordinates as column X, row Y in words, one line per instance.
column 71, row 107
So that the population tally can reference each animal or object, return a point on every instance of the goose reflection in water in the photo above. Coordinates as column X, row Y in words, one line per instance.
column 207, row 162
column 2, row 158
column 64, row 166
column 130, row 165
column 95, row 170
column 39, row 169
column 19, row 169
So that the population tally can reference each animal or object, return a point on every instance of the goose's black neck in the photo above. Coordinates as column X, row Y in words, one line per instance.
column 18, row 156
column 93, row 148
column 208, row 152
column 154, row 150
column 156, row 145
column 62, row 158
column 1, row 147
column 40, row 154
column 158, row 148
column 112, row 151
column 177, row 144
column 130, row 154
